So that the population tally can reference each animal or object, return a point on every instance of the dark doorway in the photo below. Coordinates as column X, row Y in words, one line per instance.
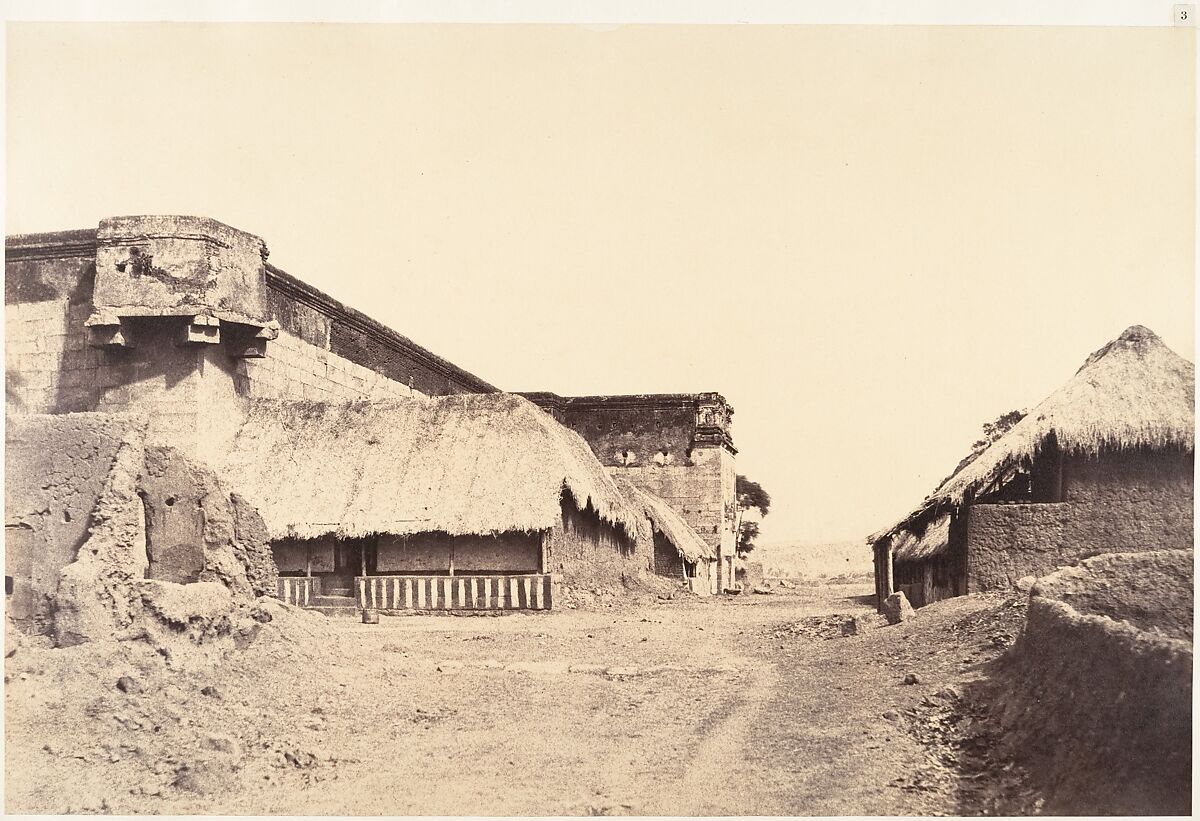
column 350, row 558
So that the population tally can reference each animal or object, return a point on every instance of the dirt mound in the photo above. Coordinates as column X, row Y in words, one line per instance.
column 824, row 628
column 1115, row 694
column 164, row 715
column 629, row 591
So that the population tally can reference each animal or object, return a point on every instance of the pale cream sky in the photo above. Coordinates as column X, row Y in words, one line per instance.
column 870, row 239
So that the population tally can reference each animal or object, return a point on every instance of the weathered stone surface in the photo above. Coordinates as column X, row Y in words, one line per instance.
column 197, row 531
column 128, row 684
column 179, row 265
column 897, row 609
column 858, row 625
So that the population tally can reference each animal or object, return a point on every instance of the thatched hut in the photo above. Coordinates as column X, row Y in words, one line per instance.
column 1103, row 464
column 679, row 552
column 457, row 501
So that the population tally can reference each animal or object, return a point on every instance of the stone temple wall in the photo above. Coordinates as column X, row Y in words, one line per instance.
column 677, row 446
column 180, row 318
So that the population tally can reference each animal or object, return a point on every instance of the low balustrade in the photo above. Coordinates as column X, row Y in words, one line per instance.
column 299, row 590
column 525, row 592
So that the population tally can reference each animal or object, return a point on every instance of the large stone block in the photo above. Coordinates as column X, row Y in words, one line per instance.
column 177, row 266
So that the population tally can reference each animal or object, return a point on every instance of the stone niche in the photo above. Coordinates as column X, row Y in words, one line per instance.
column 208, row 276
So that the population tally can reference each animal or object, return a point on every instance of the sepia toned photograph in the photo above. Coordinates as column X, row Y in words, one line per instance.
column 515, row 414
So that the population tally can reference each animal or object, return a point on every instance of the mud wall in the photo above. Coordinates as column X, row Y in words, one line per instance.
column 1151, row 590
column 1117, row 696
column 55, row 468
column 589, row 552
column 431, row 553
column 667, row 561
column 1117, row 503
column 294, row 555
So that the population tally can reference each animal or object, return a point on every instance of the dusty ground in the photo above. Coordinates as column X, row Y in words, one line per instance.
column 753, row 704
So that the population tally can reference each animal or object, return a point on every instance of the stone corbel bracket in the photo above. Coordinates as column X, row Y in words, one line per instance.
column 201, row 279
column 246, row 341
column 107, row 330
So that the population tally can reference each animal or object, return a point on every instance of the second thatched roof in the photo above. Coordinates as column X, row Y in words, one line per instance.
column 666, row 521
column 1134, row 392
column 467, row 464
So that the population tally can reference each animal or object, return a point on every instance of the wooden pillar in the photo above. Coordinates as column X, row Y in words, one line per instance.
column 877, row 564
column 308, row 559
column 451, row 555
column 890, row 576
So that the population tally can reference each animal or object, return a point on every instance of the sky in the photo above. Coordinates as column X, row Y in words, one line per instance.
column 870, row 239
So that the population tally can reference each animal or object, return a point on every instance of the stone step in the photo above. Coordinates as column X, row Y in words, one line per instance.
column 336, row 612
column 333, row 601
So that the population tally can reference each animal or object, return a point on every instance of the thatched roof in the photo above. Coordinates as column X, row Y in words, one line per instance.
column 1135, row 392
column 468, row 464
column 666, row 521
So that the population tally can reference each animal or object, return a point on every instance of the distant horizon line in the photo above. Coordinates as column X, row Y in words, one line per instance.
column 801, row 542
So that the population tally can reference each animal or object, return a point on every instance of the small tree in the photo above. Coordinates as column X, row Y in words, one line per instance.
column 994, row 430
column 750, row 496
column 747, row 533
column 991, row 432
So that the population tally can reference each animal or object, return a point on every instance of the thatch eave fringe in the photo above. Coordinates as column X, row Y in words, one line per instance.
column 663, row 519
column 1133, row 393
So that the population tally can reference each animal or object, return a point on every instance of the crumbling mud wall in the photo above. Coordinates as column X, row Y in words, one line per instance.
column 196, row 530
column 589, row 553
column 1118, row 503
column 85, row 512
column 96, row 598
column 56, row 468
column 1097, row 695
column 105, row 597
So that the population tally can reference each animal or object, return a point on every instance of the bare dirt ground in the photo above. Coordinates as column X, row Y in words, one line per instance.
column 755, row 704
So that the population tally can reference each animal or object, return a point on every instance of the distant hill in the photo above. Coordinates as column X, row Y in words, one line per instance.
column 814, row 560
